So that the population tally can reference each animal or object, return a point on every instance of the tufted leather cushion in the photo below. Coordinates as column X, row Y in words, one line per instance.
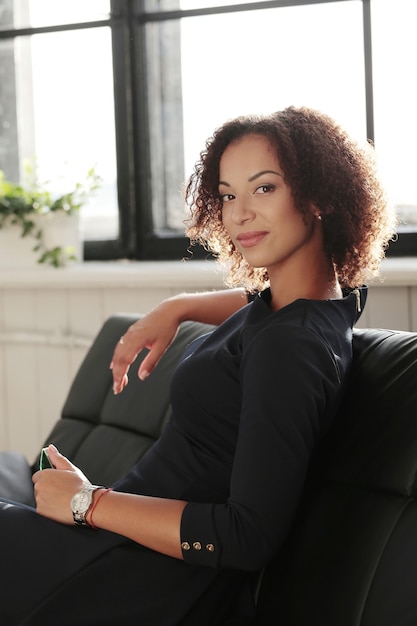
column 104, row 434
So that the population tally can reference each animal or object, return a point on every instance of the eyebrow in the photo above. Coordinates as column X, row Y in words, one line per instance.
column 254, row 177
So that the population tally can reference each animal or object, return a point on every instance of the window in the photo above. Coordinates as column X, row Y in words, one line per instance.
column 395, row 102
column 134, row 88
column 56, row 100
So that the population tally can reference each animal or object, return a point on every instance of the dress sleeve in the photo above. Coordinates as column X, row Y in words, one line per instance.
column 290, row 382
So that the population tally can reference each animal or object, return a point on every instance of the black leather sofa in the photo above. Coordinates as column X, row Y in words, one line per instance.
column 351, row 557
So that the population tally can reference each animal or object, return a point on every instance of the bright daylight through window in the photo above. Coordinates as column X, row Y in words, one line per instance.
column 133, row 89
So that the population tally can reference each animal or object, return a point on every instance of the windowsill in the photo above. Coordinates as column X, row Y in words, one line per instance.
column 395, row 272
column 111, row 274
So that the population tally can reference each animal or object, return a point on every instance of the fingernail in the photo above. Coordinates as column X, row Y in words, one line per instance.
column 143, row 374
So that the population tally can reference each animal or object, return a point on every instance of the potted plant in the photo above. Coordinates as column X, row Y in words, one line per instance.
column 36, row 215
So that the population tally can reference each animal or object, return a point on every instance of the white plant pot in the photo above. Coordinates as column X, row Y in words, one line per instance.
column 59, row 229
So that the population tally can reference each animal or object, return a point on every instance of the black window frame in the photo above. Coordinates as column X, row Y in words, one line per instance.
column 138, row 239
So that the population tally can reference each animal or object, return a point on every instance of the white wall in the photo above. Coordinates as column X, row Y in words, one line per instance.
column 49, row 317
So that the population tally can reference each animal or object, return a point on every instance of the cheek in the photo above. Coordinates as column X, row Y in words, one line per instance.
column 309, row 221
column 305, row 220
column 224, row 216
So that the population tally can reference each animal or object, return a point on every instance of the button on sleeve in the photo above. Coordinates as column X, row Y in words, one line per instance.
column 198, row 537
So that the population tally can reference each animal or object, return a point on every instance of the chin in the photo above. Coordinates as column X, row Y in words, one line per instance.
column 257, row 260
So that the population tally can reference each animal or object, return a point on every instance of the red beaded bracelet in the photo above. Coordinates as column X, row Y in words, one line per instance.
column 91, row 524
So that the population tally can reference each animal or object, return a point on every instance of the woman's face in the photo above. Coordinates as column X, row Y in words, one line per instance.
column 258, row 208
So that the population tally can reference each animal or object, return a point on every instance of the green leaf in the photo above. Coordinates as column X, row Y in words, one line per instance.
column 19, row 203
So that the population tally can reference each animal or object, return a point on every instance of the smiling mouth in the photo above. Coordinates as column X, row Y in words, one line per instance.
column 247, row 240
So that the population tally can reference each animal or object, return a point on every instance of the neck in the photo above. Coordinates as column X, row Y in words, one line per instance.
column 305, row 273
column 315, row 283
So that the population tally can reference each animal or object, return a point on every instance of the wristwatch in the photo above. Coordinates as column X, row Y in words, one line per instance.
column 81, row 503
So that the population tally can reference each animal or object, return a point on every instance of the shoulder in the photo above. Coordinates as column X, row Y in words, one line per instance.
column 284, row 342
column 307, row 340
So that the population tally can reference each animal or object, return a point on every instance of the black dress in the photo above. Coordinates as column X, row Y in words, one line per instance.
column 250, row 401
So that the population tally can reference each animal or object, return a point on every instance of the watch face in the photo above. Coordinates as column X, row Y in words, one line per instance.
column 81, row 501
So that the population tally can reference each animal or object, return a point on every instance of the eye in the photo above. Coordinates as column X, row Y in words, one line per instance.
column 266, row 188
column 226, row 197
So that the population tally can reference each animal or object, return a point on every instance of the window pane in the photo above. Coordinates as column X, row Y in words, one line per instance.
column 395, row 94
column 33, row 13
column 169, row 5
column 258, row 61
column 57, row 103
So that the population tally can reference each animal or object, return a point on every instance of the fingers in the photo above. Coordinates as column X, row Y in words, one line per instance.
column 119, row 385
column 120, row 373
column 125, row 353
column 155, row 332
column 54, row 488
column 62, row 467
column 151, row 360
column 119, row 366
column 59, row 461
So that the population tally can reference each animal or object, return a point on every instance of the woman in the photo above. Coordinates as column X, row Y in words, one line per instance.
column 295, row 209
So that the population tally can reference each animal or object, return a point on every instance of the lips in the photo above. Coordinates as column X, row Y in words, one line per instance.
column 247, row 240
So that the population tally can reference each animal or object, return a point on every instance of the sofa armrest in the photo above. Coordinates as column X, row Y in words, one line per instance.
column 16, row 478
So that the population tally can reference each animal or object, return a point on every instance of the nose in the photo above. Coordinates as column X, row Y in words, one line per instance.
column 242, row 211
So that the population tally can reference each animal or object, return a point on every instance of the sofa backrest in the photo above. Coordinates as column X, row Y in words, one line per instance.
column 104, row 434
column 351, row 559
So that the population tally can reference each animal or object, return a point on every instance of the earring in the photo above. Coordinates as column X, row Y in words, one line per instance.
column 317, row 216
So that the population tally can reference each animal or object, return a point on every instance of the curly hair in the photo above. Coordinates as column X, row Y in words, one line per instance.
column 324, row 168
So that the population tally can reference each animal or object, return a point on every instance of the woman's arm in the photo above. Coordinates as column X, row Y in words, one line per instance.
column 156, row 330
column 152, row 522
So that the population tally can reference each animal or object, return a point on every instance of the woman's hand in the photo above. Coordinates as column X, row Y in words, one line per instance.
column 155, row 331
column 54, row 488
